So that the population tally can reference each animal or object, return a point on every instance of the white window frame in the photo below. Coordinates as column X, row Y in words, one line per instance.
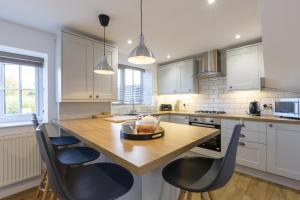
column 122, row 80
column 12, row 118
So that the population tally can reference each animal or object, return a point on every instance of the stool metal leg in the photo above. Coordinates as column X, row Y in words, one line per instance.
column 181, row 195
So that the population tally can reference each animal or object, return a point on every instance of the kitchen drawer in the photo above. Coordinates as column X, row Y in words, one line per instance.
column 249, row 154
column 227, row 123
column 248, row 125
column 247, row 135
column 164, row 118
column 179, row 119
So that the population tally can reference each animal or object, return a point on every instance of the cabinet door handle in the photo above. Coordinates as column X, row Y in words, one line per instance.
column 97, row 96
column 270, row 125
column 91, row 96
column 230, row 87
column 242, row 144
column 242, row 135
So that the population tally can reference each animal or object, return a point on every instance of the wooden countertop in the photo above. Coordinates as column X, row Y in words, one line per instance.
column 137, row 156
column 263, row 118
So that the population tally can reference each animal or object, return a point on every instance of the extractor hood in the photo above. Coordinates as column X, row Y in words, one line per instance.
column 210, row 64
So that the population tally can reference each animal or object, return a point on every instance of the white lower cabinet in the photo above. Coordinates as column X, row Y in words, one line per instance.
column 283, row 147
column 252, row 145
column 179, row 119
column 271, row 147
column 164, row 118
column 250, row 154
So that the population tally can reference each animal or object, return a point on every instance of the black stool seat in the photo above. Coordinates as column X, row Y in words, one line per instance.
column 57, row 141
column 186, row 173
column 76, row 155
column 63, row 141
column 105, row 181
column 198, row 174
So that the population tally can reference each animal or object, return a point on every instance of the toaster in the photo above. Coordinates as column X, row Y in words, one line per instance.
column 165, row 107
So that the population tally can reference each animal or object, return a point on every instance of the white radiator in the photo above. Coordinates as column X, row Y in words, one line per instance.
column 19, row 158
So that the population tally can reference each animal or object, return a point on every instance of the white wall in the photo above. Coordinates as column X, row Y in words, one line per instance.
column 29, row 39
column 281, row 42
column 213, row 95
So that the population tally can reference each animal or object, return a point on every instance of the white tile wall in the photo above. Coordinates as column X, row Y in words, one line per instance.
column 213, row 95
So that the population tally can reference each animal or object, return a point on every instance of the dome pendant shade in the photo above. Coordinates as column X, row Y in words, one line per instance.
column 103, row 67
column 141, row 55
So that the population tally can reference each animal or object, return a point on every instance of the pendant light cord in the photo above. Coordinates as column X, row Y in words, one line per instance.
column 141, row 16
column 104, row 41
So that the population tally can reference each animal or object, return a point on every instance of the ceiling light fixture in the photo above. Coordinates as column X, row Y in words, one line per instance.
column 238, row 36
column 141, row 55
column 129, row 41
column 168, row 56
column 211, row 1
column 103, row 67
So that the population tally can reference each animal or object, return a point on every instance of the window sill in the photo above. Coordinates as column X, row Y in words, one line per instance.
column 15, row 124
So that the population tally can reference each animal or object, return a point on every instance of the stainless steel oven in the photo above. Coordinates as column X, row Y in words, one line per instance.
column 213, row 144
column 286, row 107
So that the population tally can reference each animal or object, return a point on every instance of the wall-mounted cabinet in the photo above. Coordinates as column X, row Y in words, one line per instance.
column 179, row 77
column 77, row 56
column 245, row 68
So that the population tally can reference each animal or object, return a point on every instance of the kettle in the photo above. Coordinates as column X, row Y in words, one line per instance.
column 254, row 108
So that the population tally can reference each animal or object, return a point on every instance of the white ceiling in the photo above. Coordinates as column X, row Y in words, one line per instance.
column 176, row 27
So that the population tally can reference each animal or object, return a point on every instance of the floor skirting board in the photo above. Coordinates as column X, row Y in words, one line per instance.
column 294, row 184
column 19, row 187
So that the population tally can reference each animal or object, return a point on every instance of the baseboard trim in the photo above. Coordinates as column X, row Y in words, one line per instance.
column 294, row 184
column 19, row 187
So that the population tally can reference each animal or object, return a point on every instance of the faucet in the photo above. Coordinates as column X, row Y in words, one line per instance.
column 132, row 111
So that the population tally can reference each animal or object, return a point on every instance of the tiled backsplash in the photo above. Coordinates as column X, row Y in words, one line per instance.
column 213, row 95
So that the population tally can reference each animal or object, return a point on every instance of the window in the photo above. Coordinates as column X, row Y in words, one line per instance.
column 130, row 84
column 20, row 90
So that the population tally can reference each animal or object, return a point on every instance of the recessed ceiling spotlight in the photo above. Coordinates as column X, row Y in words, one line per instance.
column 211, row 1
column 129, row 41
column 168, row 56
column 237, row 36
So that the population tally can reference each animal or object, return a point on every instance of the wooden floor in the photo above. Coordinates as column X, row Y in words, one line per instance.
column 240, row 187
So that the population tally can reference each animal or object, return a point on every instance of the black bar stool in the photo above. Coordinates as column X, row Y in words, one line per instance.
column 105, row 181
column 200, row 175
column 57, row 141
column 69, row 156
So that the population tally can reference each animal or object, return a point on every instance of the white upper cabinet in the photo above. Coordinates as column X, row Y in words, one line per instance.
column 245, row 68
column 105, row 86
column 77, row 71
column 187, row 71
column 76, row 59
column 167, row 79
column 178, row 77
column 283, row 150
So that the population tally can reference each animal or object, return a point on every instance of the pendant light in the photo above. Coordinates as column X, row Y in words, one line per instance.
column 103, row 67
column 141, row 55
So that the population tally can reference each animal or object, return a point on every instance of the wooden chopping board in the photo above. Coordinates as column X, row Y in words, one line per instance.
column 120, row 119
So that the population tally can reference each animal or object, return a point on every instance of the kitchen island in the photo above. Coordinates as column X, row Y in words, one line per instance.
column 145, row 159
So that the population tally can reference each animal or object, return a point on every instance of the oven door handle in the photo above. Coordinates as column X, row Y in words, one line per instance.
column 203, row 125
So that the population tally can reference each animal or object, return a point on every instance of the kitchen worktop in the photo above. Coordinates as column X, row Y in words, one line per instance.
column 138, row 157
column 263, row 118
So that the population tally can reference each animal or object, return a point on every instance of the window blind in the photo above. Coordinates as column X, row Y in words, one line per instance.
column 130, row 84
column 19, row 59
